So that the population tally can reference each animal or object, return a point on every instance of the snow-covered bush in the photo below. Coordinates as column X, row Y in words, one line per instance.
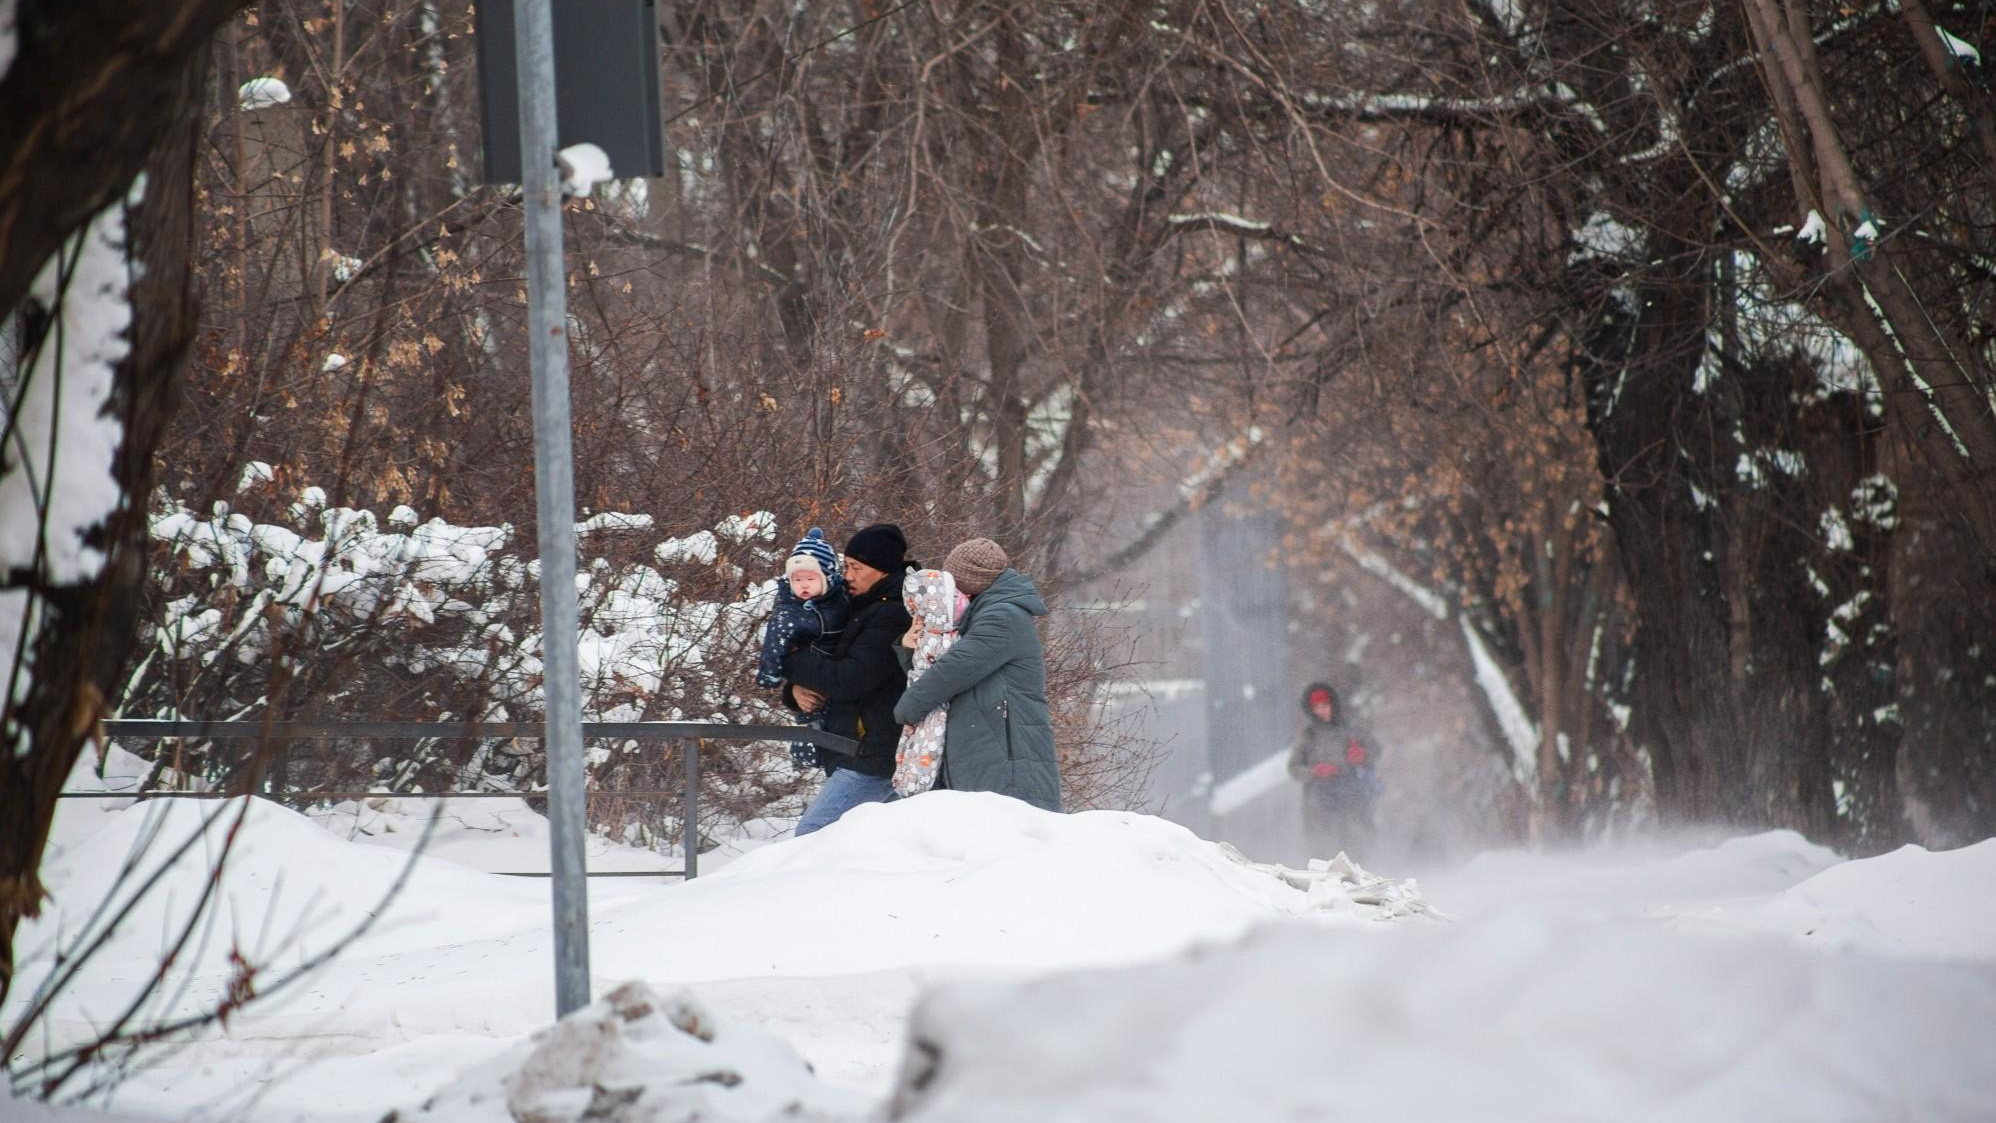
column 331, row 612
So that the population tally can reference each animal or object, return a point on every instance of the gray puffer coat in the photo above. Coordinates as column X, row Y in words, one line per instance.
column 1000, row 732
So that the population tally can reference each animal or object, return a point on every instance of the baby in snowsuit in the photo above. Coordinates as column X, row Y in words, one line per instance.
column 932, row 599
column 811, row 608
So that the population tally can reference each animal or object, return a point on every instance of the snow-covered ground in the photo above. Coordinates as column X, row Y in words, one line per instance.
column 1092, row 966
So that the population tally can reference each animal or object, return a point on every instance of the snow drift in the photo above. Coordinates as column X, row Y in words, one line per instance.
column 1088, row 966
column 1518, row 1019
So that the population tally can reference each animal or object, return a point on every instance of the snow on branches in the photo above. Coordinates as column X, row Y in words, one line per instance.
column 56, row 464
column 449, row 605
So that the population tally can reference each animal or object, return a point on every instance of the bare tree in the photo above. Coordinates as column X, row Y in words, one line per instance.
column 95, row 94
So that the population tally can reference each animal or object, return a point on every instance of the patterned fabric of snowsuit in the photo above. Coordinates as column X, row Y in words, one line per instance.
column 931, row 597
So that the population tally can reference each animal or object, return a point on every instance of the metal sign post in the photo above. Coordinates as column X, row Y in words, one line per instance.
column 554, row 489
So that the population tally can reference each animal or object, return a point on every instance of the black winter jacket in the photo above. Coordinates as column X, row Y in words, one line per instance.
column 861, row 680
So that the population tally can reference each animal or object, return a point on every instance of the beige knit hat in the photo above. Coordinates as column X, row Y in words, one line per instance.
column 976, row 564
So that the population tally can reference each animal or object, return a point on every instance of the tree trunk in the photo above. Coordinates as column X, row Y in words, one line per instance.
column 100, row 92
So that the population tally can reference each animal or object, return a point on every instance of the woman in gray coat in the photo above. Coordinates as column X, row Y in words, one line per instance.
column 999, row 736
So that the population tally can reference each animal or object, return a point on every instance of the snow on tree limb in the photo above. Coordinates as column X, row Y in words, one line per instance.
column 1455, row 110
column 57, row 481
column 55, row 468
column 1430, row 601
column 1518, row 730
column 1194, row 492
column 8, row 41
column 1519, row 733
column 1235, row 226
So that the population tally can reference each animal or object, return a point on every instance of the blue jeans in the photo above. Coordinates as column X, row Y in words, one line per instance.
column 843, row 791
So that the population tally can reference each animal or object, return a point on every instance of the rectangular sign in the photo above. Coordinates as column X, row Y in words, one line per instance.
column 606, row 85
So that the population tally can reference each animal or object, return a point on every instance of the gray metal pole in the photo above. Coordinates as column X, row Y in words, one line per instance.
column 554, row 488
column 692, row 831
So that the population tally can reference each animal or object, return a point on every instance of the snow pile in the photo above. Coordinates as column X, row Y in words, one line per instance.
column 634, row 1058
column 493, row 835
column 1655, row 878
column 1643, row 982
column 828, row 937
column 1090, row 966
column 967, row 878
column 1518, row 1019
column 114, row 773
column 1912, row 902
column 289, row 890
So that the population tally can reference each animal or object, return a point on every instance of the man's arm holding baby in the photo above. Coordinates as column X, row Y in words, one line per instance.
column 866, row 662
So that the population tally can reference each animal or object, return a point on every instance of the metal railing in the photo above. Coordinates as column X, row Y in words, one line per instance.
column 690, row 734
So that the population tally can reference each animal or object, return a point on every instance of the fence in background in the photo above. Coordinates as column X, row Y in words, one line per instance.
column 688, row 735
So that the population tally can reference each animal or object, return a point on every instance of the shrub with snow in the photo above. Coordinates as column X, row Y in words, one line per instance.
column 344, row 616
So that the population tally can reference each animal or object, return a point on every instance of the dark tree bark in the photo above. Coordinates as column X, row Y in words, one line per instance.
column 99, row 92
column 80, row 110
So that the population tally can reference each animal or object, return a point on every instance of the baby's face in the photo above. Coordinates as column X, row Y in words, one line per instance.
column 807, row 583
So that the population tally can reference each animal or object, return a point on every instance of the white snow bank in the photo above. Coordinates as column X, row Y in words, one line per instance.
column 634, row 1057
column 1912, row 902
column 975, row 879
column 1650, row 878
column 1514, row 1020
column 289, row 890
column 31, row 1111
column 1575, row 986
column 947, row 882
column 494, row 835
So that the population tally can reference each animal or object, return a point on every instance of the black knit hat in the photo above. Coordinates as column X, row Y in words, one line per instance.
column 881, row 546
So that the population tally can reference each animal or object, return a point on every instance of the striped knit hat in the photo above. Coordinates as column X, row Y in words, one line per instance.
column 813, row 552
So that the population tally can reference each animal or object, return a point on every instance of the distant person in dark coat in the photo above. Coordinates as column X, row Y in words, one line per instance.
column 854, row 687
column 1336, row 762
column 999, row 736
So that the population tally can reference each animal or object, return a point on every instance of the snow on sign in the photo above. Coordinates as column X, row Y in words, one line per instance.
column 582, row 167
column 606, row 85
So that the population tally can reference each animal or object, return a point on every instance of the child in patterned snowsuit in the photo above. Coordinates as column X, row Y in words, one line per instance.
column 932, row 599
column 811, row 608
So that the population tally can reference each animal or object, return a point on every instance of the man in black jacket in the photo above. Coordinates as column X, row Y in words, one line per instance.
column 858, row 683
